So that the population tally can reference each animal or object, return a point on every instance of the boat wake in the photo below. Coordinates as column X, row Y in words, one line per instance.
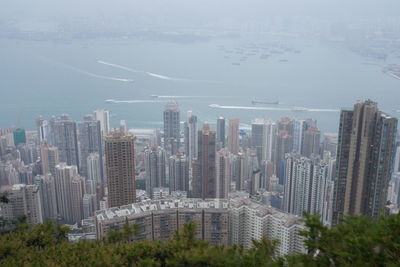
column 87, row 73
column 132, row 101
column 101, row 76
column 154, row 75
column 180, row 96
column 293, row 109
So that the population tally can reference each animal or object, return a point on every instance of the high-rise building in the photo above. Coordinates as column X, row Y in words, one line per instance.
column 43, row 129
column 122, row 126
column 103, row 116
column 155, row 168
column 160, row 219
column 270, row 141
column 329, row 143
column 8, row 174
column 23, row 200
column 90, row 141
column 251, row 221
column 172, row 132
column 365, row 158
column 97, row 181
column 63, row 184
column 311, row 142
column 94, row 168
column 224, row 172
column 49, row 158
column 233, row 136
column 178, row 173
column 251, row 172
column 65, row 138
column 308, row 186
column 298, row 130
column 298, row 184
column 77, row 192
column 238, row 172
column 220, row 133
column 19, row 136
column 285, row 124
column 396, row 163
column 258, row 138
column 204, row 183
column 47, row 191
column 283, row 146
column 89, row 205
column 120, row 169
column 191, row 137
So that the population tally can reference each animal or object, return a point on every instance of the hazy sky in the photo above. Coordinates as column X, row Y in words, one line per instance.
column 198, row 11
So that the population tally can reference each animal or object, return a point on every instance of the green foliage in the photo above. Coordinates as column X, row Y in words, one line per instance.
column 128, row 233
column 357, row 241
column 4, row 198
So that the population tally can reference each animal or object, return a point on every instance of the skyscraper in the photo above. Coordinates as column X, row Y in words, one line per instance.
column 239, row 167
column 270, row 143
column 90, row 141
column 89, row 204
column 283, row 146
column 23, row 200
column 103, row 116
column 49, row 158
column 233, row 136
column 43, row 129
column 154, row 162
column 63, row 184
column 251, row 174
column 97, row 182
column 172, row 133
column 19, row 136
column 191, row 137
column 258, row 137
column 204, row 183
column 47, row 192
column 364, row 161
column 311, row 142
column 178, row 173
column 220, row 133
column 298, row 130
column 120, row 169
column 223, row 176
column 298, row 181
column 93, row 168
column 77, row 192
column 65, row 138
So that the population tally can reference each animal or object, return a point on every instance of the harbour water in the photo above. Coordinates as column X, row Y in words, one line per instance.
column 311, row 78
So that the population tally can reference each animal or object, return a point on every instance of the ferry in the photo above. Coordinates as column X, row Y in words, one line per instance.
column 109, row 100
column 299, row 109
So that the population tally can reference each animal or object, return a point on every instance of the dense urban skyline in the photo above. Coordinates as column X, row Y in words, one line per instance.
column 240, row 123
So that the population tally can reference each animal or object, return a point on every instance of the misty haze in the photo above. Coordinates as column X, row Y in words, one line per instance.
column 125, row 120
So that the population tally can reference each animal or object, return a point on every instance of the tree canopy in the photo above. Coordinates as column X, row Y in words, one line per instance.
column 357, row 241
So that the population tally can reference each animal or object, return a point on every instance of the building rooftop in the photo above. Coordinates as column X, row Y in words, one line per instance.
column 158, row 205
column 260, row 210
column 264, row 210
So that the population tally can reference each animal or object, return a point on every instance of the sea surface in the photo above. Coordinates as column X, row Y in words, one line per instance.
column 76, row 77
